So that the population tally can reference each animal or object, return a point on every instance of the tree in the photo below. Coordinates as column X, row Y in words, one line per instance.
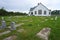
column 55, row 12
column 3, row 12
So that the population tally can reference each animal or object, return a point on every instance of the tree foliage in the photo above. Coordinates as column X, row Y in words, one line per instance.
column 3, row 12
column 55, row 12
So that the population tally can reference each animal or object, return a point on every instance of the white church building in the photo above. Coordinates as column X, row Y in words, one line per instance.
column 40, row 10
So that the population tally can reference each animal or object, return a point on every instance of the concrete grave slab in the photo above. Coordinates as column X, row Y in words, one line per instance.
column 44, row 33
column 11, row 38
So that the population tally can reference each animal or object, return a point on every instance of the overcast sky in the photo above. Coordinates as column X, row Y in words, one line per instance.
column 25, row 5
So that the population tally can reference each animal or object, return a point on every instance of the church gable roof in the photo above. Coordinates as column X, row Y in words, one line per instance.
column 31, row 9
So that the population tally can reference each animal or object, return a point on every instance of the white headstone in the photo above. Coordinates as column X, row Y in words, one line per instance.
column 2, row 18
column 3, row 24
column 44, row 33
column 13, row 26
column 56, row 18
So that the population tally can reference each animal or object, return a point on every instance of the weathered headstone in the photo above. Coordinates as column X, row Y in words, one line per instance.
column 3, row 24
column 13, row 26
column 56, row 18
column 2, row 18
column 44, row 33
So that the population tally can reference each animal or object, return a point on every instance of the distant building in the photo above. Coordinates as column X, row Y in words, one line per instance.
column 40, row 10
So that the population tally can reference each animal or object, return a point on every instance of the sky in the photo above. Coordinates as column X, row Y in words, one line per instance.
column 25, row 5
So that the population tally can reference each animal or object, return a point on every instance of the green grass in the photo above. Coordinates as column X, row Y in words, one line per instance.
column 32, row 26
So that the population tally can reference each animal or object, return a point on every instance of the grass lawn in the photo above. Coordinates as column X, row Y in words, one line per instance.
column 32, row 25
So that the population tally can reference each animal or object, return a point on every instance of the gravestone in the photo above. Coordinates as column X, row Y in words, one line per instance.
column 3, row 24
column 56, row 18
column 13, row 26
column 2, row 18
column 44, row 33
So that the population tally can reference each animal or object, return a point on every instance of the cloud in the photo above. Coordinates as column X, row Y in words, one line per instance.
column 25, row 5
column 51, row 4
